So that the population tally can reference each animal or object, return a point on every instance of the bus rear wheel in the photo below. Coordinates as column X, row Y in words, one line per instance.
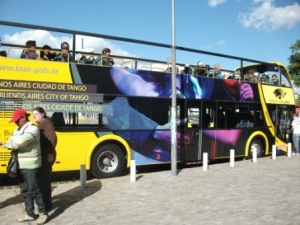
column 259, row 148
column 108, row 161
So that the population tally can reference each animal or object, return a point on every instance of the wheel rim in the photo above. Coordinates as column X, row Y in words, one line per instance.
column 107, row 161
column 258, row 148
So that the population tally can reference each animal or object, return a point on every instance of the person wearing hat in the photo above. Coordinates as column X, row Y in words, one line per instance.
column 26, row 140
column 201, row 69
column 106, row 61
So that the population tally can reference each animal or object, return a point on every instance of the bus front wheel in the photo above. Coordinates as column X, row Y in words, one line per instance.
column 108, row 161
column 259, row 148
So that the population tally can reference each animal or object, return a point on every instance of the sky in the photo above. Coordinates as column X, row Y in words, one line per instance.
column 263, row 30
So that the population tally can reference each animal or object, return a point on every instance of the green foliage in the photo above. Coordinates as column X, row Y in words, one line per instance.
column 294, row 67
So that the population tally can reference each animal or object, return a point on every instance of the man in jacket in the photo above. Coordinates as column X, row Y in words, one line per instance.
column 26, row 140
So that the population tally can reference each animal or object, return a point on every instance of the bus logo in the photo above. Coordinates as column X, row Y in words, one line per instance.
column 279, row 93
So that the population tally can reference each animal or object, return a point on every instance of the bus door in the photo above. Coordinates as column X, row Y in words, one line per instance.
column 198, row 119
column 191, row 131
column 281, row 116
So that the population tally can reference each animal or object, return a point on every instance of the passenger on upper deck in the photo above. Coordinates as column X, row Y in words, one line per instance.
column 187, row 69
column 264, row 78
column 65, row 55
column 30, row 52
column 275, row 80
column 202, row 69
column 105, row 60
column 2, row 53
column 217, row 72
column 47, row 54
column 251, row 76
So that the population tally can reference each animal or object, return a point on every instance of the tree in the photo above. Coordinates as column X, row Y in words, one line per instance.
column 294, row 67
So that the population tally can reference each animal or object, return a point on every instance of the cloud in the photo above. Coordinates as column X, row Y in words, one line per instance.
column 45, row 37
column 215, row 3
column 269, row 17
column 220, row 42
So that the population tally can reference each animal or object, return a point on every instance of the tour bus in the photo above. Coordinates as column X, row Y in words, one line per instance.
column 106, row 116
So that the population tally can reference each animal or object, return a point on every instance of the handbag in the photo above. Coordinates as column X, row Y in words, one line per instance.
column 13, row 164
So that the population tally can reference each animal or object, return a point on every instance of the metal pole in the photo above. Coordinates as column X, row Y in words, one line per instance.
column 74, row 48
column 82, row 176
column 232, row 157
column 254, row 154
column 205, row 161
column 132, row 171
column 173, row 108
column 289, row 153
column 274, row 152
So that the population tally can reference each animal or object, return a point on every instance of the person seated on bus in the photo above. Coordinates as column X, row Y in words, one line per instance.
column 187, row 69
column 3, row 54
column 65, row 55
column 216, row 72
column 30, row 52
column 274, row 80
column 58, row 119
column 251, row 76
column 207, row 67
column 264, row 79
column 46, row 54
column 106, row 61
column 86, row 59
column 201, row 70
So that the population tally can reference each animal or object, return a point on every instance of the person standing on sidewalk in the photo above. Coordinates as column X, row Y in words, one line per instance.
column 26, row 140
column 48, row 144
column 296, row 134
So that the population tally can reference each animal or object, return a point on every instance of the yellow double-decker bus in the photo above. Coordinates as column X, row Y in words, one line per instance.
column 106, row 116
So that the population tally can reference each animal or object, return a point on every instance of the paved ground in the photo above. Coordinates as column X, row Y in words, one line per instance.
column 265, row 192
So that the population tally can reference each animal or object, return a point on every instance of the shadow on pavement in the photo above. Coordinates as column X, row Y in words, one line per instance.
column 66, row 199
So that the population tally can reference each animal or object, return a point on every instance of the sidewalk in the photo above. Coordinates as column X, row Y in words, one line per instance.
column 261, row 193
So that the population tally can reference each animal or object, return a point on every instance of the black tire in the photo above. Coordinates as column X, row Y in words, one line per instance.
column 259, row 146
column 108, row 161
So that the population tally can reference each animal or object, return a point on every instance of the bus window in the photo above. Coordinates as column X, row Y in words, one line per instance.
column 58, row 119
column 220, row 117
column 258, row 119
column 193, row 117
column 284, row 79
column 200, row 117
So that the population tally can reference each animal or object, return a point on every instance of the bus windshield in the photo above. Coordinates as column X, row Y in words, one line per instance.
column 271, row 73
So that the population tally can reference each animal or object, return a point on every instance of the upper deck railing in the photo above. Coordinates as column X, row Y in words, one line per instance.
column 133, row 62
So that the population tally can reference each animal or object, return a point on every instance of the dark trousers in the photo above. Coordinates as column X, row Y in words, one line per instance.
column 44, row 178
column 30, row 191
